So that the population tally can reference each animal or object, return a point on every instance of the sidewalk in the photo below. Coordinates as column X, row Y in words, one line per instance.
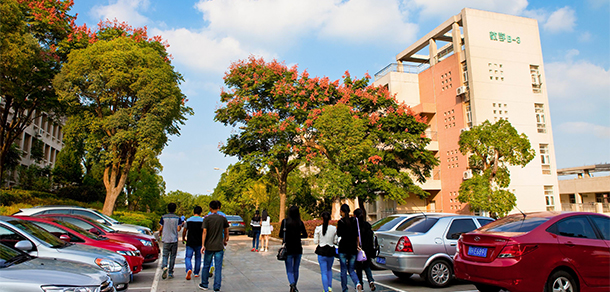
column 248, row 271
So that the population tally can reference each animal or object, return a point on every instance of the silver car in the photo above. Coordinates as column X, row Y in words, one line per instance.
column 37, row 242
column 17, row 269
column 90, row 213
column 425, row 245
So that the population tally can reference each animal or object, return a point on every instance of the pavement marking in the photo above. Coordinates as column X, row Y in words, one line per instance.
column 146, row 272
column 139, row 288
column 153, row 288
column 363, row 276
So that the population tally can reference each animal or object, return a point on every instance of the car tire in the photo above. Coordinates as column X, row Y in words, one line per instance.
column 561, row 279
column 402, row 275
column 439, row 273
column 487, row 288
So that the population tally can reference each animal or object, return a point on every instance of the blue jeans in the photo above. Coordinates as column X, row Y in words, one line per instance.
column 255, row 236
column 207, row 261
column 292, row 268
column 347, row 262
column 366, row 267
column 326, row 269
column 189, row 255
column 169, row 252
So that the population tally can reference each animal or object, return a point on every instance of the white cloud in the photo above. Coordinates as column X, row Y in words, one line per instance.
column 563, row 19
column 585, row 37
column 583, row 127
column 577, row 81
column 123, row 10
column 446, row 8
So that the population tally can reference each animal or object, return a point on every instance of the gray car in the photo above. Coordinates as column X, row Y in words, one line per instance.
column 90, row 213
column 37, row 242
column 236, row 224
column 425, row 245
column 17, row 268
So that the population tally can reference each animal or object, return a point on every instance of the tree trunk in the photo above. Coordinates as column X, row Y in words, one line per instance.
column 335, row 213
column 114, row 181
column 282, row 188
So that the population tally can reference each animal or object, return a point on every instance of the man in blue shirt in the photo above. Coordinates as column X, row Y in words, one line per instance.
column 170, row 226
column 192, row 236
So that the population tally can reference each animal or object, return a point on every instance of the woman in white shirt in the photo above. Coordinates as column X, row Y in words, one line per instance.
column 325, row 237
column 265, row 230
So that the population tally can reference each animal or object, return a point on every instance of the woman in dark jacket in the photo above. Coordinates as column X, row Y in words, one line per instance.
column 292, row 230
column 366, row 240
column 348, row 247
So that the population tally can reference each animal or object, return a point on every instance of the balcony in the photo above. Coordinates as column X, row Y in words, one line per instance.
column 433, row 136
column 402, row 68
column 433, row 183
column 587, row 207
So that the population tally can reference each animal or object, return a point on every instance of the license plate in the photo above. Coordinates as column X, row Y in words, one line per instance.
column 380, row 260
column 477, row 251
column 235, row 224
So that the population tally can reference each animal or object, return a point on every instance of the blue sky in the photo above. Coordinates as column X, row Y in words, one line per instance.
column 328, row 37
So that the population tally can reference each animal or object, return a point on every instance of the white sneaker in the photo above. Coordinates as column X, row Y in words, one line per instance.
column 359, row 287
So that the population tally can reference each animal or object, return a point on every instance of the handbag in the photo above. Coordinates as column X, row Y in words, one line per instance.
column 282, row 253
column 361, row 256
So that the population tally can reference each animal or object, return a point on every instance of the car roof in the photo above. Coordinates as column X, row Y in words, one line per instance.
column 32, row 210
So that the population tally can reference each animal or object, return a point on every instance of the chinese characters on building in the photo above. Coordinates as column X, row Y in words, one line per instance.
column 502, row 37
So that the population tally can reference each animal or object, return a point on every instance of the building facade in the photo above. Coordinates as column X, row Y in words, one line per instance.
column 476, row 66
column 585, row 192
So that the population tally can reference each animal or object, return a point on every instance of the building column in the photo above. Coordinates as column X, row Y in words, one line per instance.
column 456, row 37
column 433, row 52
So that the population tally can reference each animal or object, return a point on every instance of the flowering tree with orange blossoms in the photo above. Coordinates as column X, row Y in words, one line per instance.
column 276, row 109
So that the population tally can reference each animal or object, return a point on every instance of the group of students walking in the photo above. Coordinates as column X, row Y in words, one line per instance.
column 261, row 228
column 352, row 235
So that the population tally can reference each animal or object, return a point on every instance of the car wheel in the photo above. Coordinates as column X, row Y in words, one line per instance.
column 487, row 288
column 439, row 273
column 561, row 281
column 402, row 275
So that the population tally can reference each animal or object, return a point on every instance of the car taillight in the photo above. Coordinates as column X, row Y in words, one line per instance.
column 242, row 223
column 516, row 250
column 404, row 244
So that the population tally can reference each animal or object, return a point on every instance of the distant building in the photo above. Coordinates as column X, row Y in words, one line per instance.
column 585, row 192
column 478, row 66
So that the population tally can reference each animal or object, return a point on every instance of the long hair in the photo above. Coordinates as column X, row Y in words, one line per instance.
column 358, row 213
column 326, row 219
column 345, row 210
column 265, row 215
column 295, row 216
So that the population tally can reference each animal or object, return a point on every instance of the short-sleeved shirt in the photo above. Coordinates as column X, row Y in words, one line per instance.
column 193, row 231
column 215, row 225
column 170, row 223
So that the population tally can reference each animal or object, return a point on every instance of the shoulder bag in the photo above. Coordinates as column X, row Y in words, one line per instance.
column 282, row 253
column 361, row 256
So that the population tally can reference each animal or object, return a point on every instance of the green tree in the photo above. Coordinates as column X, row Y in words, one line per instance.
column 31, row 31
column 125, row 89
column 185, row 202
column 491, row 148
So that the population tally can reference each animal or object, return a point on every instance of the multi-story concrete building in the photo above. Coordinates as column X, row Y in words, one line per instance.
column 585, row 192
column 476, row 66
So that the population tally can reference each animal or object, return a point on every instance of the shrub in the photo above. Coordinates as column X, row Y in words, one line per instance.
column 310, row 226
column 150, row 220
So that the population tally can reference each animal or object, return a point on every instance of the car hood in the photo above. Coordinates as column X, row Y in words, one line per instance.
column 92, row 252
column 53, row 272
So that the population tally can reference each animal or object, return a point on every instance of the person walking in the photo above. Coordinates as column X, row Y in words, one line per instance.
column 292, row 230
column 256, row 230
column 191, row 234
column 211, row 274
column 348, row 247
column 214, row 237
column 325, row 237
column 366, row 240
column 265, row 230
column 170, row 226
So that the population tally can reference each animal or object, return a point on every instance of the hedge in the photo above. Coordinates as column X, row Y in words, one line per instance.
column 150, row 220
column 310, row 226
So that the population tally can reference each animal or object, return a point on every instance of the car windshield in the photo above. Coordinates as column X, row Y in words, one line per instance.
column 77, row 229
column 234, row 218
column 9, row 256
column 107, row 217
column 418, row 224
column 386, row 223
column 33, row 230
column 100, row 226
column 516, row 223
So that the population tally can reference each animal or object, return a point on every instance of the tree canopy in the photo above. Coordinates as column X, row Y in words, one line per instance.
column 491, row 148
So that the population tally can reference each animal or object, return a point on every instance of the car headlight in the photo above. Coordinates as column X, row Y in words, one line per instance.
column 126, row 252
column 69, row 289
column 109, row 266
column 145, row 242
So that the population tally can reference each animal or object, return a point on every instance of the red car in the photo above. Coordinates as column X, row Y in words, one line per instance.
column 146, row 244
column 545, row 251
column 69, row 232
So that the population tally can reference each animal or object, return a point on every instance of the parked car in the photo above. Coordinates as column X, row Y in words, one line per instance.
column 545, row 251
column 91, row 213
column 393, row 221
column 28, row 237
column 146, row 244
column 17, row 270
column 425, row 245
column 236, row 224
column 71, row 233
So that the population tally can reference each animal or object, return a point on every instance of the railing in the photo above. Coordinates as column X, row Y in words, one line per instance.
column 587, row 207
column 395, row 67
column 432, row 135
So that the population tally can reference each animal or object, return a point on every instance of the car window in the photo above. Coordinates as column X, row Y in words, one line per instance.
column 576, row 227
column 484, row 222
column 409, row 222
column 57, row 211
column 80, row 223
column 77, row 229
column 87, row 214
column 57, row 231
column 387, row 223
column 514, row 224
column 459, row 226
column 7, row 254
column 33, row 230
column 420, row 224
column 603, row 224
column 9, row 237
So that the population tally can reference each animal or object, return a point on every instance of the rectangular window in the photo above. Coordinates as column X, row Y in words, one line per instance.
column 536, row 79
column 540, row 120
column 572, row 199
column 549, row 198
column 545, row 158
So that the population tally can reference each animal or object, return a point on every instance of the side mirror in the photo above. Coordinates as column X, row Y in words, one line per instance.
column 24, row 245
column 95, row 231
column 65, row 237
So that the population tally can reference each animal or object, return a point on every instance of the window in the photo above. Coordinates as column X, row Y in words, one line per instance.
column 89, row 215
column 577, row 226
column 536, row 79
column 58, row 231
column 549, row 198
column 484, row 222
column 460, row 226
column 545, row 158
column 603, row 225
column 540, row 120
column 9, row 237
column 572, row 198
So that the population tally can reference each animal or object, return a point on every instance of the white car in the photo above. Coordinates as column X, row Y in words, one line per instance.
column 90, row 213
